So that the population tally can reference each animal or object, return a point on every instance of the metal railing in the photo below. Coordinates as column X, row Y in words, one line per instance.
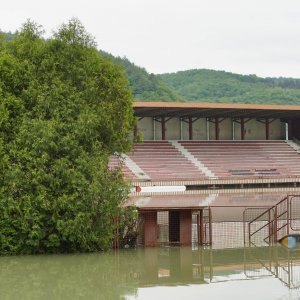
column 274, row 222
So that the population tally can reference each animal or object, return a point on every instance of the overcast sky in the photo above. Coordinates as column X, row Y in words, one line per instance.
column 244, row 36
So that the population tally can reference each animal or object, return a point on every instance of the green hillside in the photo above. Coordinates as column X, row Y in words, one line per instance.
column 219, row 86
column 208, row 86
column 201, row 85
column 145, row 86
column 8, row 36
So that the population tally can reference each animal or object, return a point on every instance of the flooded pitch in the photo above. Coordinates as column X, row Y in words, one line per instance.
column 155, row 273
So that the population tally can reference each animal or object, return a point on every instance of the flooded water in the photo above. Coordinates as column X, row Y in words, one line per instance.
column 155, row 273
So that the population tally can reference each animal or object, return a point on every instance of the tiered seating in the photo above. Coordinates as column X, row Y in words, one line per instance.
column 246, row 158
column 160, row 160
column 115, row 162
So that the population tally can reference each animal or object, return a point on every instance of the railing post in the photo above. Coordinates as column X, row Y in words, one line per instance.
column 288, row 215
column 210, row 227
column 200, row 228
column 249, row 234
column 270, row 227
column 275, row 225
column 244, row 227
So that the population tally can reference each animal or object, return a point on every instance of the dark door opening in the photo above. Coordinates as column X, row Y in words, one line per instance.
column 174, row 226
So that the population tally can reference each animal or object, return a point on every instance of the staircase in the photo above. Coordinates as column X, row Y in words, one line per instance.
column 266, row 226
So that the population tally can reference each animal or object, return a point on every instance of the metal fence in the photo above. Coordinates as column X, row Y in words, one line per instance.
column 221, row 226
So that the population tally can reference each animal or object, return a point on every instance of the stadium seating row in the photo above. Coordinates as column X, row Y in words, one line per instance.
column 161, row 160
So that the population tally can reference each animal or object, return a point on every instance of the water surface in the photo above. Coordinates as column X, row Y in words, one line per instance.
column 155, row 273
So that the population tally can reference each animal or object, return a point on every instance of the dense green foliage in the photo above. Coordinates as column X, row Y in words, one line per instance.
column 8, row 36
column 64, row 110
column 145, row 86
column 219, row 86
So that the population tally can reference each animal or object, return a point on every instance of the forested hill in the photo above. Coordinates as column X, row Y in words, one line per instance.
column 219, row 86
column 145, row 86
column 201, row 85
column 208, row 86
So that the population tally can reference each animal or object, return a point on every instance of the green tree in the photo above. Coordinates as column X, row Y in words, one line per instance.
column 64, row 109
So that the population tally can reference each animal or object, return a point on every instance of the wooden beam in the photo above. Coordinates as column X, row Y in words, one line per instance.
column 190, row 128
column 267, row 129
column 242, row 129
column 217, row 128
column 163, row 128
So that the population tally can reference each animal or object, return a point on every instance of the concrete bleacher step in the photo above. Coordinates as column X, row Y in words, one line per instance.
column 193, row 159
column 221, row 156
column 134, row 168
column 295, row 145
column 161, row 160
column 115, row 161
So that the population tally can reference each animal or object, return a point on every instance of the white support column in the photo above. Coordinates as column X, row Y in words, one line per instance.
column 286, row 131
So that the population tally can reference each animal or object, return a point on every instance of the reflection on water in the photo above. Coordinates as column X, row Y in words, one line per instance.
column 164, row 273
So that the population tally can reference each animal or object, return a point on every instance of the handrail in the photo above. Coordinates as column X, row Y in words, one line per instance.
column 269, row 209
column 268, row 236
column 260, row 228
column 275, row 222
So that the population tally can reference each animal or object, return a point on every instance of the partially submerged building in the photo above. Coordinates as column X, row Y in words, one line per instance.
column 202, row 164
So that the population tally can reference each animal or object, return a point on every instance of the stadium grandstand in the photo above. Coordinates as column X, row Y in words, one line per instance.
column 205, row 171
